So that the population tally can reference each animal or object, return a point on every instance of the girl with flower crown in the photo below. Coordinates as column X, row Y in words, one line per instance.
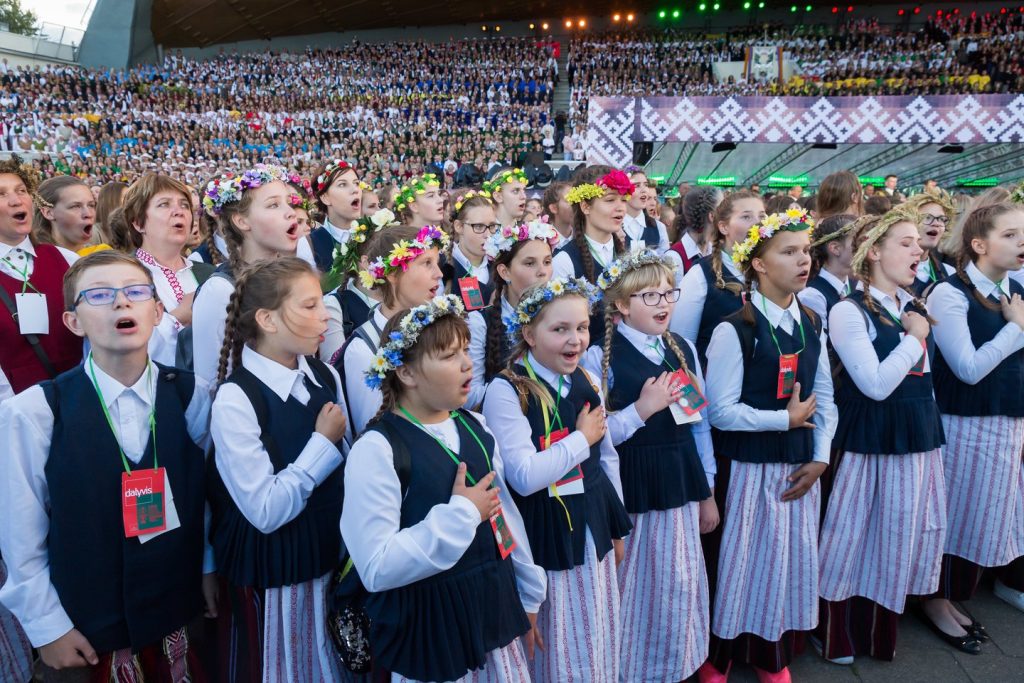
column 887, row 506
column 258, row 222
column 339, row 196
column 520, row 258
column 769, row 387
column 711, row 288
column 279, row 430
column 404, row 267
column 419, row 202
column 546, row 411
column 454, row 591
column 508, row 189
column 466, row 274
column 667, row 467
column 599, row 197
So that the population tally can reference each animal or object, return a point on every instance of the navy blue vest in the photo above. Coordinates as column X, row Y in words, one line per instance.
column 572, row 250
column 554, row 546
column 832, row 297
column 651, row 235
column 118, row 592
column 919, row 288
column 441, row 627
column 659, row 465
column 907, row 421
column 204, row 252
column 760, row 387
column 506, row 345
column 1000, row 392
column 323, row 248
column 306, row 547
column 454, row 270
column 354, row 311
column 718, row 305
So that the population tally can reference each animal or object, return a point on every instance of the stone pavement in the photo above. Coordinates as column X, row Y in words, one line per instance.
column 923, row 658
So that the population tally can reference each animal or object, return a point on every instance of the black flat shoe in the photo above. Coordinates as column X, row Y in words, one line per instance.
column 968, row 643
column 977, row 631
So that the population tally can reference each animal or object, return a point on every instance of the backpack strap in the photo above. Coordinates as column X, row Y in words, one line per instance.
column 247, row 382
column 745, row 333
column 399, row 453
column 32, row 339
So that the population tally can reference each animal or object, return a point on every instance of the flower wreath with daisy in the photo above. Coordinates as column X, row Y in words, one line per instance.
column 346, row 259
column 336, row 166
column 229, row 189
column 511, row 175
column 793, row 220
column 389, row 356
column 417, row 185
column 615, row 180
column 402, row 254
column 535, row 298
column 509, row 235
column 462, row 199
column 624, row 264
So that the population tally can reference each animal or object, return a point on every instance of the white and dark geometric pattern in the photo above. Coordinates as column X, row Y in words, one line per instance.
column 616, row 122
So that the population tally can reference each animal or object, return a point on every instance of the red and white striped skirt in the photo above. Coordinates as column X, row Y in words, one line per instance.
column 984, row 488
column 768, row 565
column 504, row 665
column 579, row 622
column 15, row 650
column 885, row 528
column 664, row 590
column 296, row 645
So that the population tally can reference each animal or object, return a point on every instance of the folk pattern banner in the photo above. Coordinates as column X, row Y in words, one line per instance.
column 616, row 122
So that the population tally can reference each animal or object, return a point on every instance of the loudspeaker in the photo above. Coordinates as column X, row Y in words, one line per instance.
column 642, row 152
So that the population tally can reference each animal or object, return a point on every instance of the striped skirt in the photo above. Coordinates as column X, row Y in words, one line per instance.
column 296, row 645
column 885, row 528
column 504, row 665
column 984, row 488
column 579, row 623
column 768, row 565
column 15, row 650
column 664, row 591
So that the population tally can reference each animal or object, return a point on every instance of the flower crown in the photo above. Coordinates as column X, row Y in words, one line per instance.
column 793, row 220
column 1017, row 196
column 620, row 266
column 511, row 175
column 389, row 356
column 461, row 201
column 323, row 180
column 228, row 189
column 507, row 236
column 417, row 186
column 535, row 298
column 345, row 257
column 614, row 180
column 402, row 254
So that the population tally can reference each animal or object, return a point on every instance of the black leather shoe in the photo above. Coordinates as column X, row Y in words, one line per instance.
column 968, row 643
column 978, row 631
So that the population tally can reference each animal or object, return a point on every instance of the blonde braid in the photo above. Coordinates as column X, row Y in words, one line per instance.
column 232, row 346
column 609, row 331
column 670, row 342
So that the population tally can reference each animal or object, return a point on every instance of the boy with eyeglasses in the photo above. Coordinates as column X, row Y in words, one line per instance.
column 34, row 345
column 102, row 493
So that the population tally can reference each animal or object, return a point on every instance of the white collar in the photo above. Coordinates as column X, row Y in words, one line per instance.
column 506, row 308
column 690, row 246
column 221, row 244
column 840, row 286
column 773, row 311
column 279, row 378
column 463, row 260
column 144, row 387
column 894, row 306
column 337, row 233
column 606, row 249
column 731, row 265
column 641, row 341
column 985, row 285
column 351, row 286
column 25, row 245
column 544, row 373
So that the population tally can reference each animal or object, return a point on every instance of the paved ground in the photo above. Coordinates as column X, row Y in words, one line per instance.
column 922, row 658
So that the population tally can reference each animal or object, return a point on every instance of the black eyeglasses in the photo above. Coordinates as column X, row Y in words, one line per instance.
column 106, row 296
column 654, row 298
column 481, row 228
column 929, row 219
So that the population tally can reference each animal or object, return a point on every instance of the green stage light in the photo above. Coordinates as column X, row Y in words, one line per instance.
column 746, row 5
column 702, row 7
column 675, row 14
column 792, row 8
column 661, row 14
column 716, row 7
column 717, row 181
column 808, row 8
column 760, row 5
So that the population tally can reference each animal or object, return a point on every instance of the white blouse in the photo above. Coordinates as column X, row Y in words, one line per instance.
column 387, row 556
column 363, row 401
column 478, row 350
column 690, row 307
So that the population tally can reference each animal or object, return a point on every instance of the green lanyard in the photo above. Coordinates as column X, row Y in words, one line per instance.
column 110, row 423
column 543, row 407
column 25, row 284
column 458, row 416
column 931, row 271
column 656, row 345
column 771, row 329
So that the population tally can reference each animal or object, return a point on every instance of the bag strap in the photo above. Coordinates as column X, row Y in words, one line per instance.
column 32, row 339
column 745, row 333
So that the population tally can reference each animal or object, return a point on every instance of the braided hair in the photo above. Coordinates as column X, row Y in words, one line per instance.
column 264, row 285
column 869, row 225
column 723, row 214
column 695, row 213
column 977, row 225
column 586, row 176
column 819, row 248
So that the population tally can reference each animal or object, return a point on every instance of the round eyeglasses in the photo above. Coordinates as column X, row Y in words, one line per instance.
column 654, row 298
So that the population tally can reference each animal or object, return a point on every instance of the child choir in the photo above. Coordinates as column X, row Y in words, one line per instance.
column 498, row 448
